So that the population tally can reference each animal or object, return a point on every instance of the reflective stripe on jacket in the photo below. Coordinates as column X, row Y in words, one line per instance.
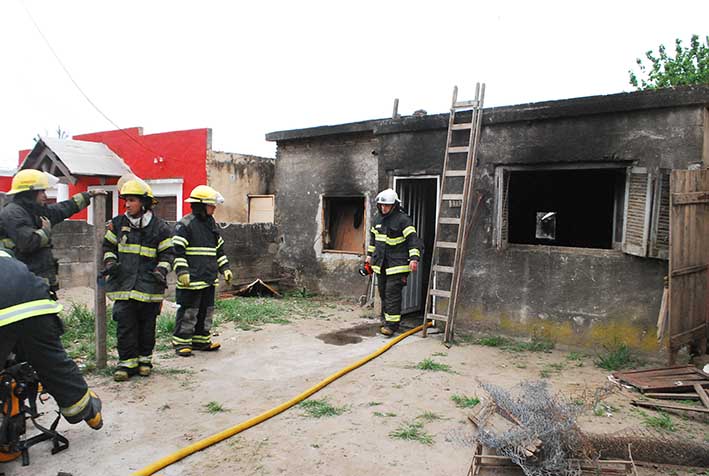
column 23, row 295
column 393, row 242
column 139, row 252
column 199, row 251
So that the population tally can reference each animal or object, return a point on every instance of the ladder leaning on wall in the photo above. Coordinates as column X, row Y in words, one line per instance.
column 451, row 231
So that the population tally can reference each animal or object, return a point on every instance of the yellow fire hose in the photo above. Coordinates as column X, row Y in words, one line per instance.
column 216, row 438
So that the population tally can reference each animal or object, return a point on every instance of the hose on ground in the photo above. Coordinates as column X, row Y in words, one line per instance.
column 229, row 432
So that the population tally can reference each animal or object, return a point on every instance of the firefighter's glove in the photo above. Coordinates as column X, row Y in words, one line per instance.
column 184, row 279
column 45, row 232
column 112, row 268
column 413, row 265
column 228, row 276
column 160, row 275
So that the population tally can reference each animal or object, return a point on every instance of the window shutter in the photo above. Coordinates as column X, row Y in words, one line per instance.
column 638, row 199
column 660, row 228
column 500, row 233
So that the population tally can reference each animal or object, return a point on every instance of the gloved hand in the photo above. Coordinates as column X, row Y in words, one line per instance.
column 228, row 276
column 160, row 275
column 184, row 279
column 111, row 268
column 46, row 225
column 97, row 191
column 413, row 265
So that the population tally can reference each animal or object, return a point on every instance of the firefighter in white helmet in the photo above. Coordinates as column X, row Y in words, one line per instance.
column 394, row 251
column 137, row 256
column 199, row 258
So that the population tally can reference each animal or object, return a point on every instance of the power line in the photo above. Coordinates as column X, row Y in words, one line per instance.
column 71, row 78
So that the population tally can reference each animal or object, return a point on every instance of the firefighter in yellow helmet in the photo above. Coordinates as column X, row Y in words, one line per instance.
column 26, row 222
column 199, row 257
column 137, row 255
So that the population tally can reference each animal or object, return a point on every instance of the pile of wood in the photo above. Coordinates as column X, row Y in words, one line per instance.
column 662, row 385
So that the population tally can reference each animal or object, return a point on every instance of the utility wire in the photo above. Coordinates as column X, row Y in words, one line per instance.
column 88, row 99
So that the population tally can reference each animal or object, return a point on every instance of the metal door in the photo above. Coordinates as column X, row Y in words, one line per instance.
column 418, row 199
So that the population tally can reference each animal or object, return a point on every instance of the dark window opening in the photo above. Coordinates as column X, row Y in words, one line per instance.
column 108, row 215
column 563, row 207
column 343, row 224
column 166, row 208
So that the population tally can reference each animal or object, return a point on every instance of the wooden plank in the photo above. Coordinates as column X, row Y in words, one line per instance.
column 449, row 221
column 440, row 293
column 461, row 126
column 446, row 244
column 100, row 324
column 452, row 196
column 443, row 269
column 455, row 173
column 459, row 149
column 657, row 371
column 700, row 268
column 702, row 394
column 672, row 396
column 436, row 317
column 669, row 406
column 466, row 104
column 690, row 198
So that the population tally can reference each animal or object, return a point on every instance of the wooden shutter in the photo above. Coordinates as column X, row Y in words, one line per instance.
column 660, row 227
column 501, row 227
column 638, row 200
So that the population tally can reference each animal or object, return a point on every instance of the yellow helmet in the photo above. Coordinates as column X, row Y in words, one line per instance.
column 205, row 194
column 31, row 179
column 136, row 187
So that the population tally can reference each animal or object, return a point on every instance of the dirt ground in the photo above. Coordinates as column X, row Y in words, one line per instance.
column 149, row 418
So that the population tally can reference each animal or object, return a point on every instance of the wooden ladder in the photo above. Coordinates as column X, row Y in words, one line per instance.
column 456, row 185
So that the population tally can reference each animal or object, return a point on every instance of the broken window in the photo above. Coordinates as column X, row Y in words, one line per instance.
column 343, row 224
column 604, row 208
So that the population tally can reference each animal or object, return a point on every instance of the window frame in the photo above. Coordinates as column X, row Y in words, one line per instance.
column 324, row 210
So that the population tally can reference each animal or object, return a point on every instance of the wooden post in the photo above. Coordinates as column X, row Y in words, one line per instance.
column 99, row 218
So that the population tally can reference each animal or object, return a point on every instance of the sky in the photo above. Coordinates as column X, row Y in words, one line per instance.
column 244, row 69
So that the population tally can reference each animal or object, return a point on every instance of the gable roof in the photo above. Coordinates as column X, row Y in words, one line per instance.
column 72, row 158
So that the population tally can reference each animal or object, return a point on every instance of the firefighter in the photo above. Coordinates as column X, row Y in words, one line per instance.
column 199, row 257
column 393, row 252
column 137, row 257
column 27, row 221
column 30, row 326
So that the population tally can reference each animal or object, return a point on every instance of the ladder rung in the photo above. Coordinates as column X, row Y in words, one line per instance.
column 455, row 173
column 465, row 104
column 458, row 149
column 452, row 196
column 449, row 221
column 459, row 127
column 446, row 244
column 440, row 293
column 437, row 317
column 443, row 269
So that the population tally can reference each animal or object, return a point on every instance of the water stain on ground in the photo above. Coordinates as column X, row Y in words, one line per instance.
column 351, row 335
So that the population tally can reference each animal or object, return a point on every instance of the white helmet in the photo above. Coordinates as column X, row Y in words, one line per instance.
column 387, row 197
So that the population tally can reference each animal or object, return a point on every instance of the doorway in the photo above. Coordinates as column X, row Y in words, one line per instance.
column 419, row 199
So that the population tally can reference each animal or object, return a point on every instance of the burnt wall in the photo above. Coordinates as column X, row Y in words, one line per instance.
column 236, row 176
column 306, row 171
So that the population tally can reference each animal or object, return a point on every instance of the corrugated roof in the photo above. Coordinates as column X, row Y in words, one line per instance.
column 86, row 158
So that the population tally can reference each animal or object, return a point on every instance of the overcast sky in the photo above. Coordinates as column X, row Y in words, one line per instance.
column 248, row 68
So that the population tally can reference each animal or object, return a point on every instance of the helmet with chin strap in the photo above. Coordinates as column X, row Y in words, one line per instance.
column 387, row 197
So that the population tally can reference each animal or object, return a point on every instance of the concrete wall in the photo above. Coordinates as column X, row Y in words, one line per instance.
column 305, row 171
column 236, row 176
column 575, row 296
column 251, row 250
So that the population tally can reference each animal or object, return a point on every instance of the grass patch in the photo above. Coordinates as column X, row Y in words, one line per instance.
column 464, row 401
column 574, row 356
column 165, row 326
column 430, row 364
column 385, row 414
column 249, row 313
column 373, row 404
column 492, row 341
column 412, row 431
column 535, row 345
column 214, row 407
column 661, row 422
column 429, row 416
column 321, row 408
column 615, row 356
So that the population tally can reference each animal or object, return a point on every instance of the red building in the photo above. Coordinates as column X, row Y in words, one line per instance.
column 173, row 163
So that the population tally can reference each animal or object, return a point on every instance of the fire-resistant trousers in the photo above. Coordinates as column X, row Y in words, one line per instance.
column 36, row 340
column 390, row 287
column 194, row 317
column 135, row 332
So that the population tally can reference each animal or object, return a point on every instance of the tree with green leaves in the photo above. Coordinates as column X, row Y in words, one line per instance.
column 688, row 66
